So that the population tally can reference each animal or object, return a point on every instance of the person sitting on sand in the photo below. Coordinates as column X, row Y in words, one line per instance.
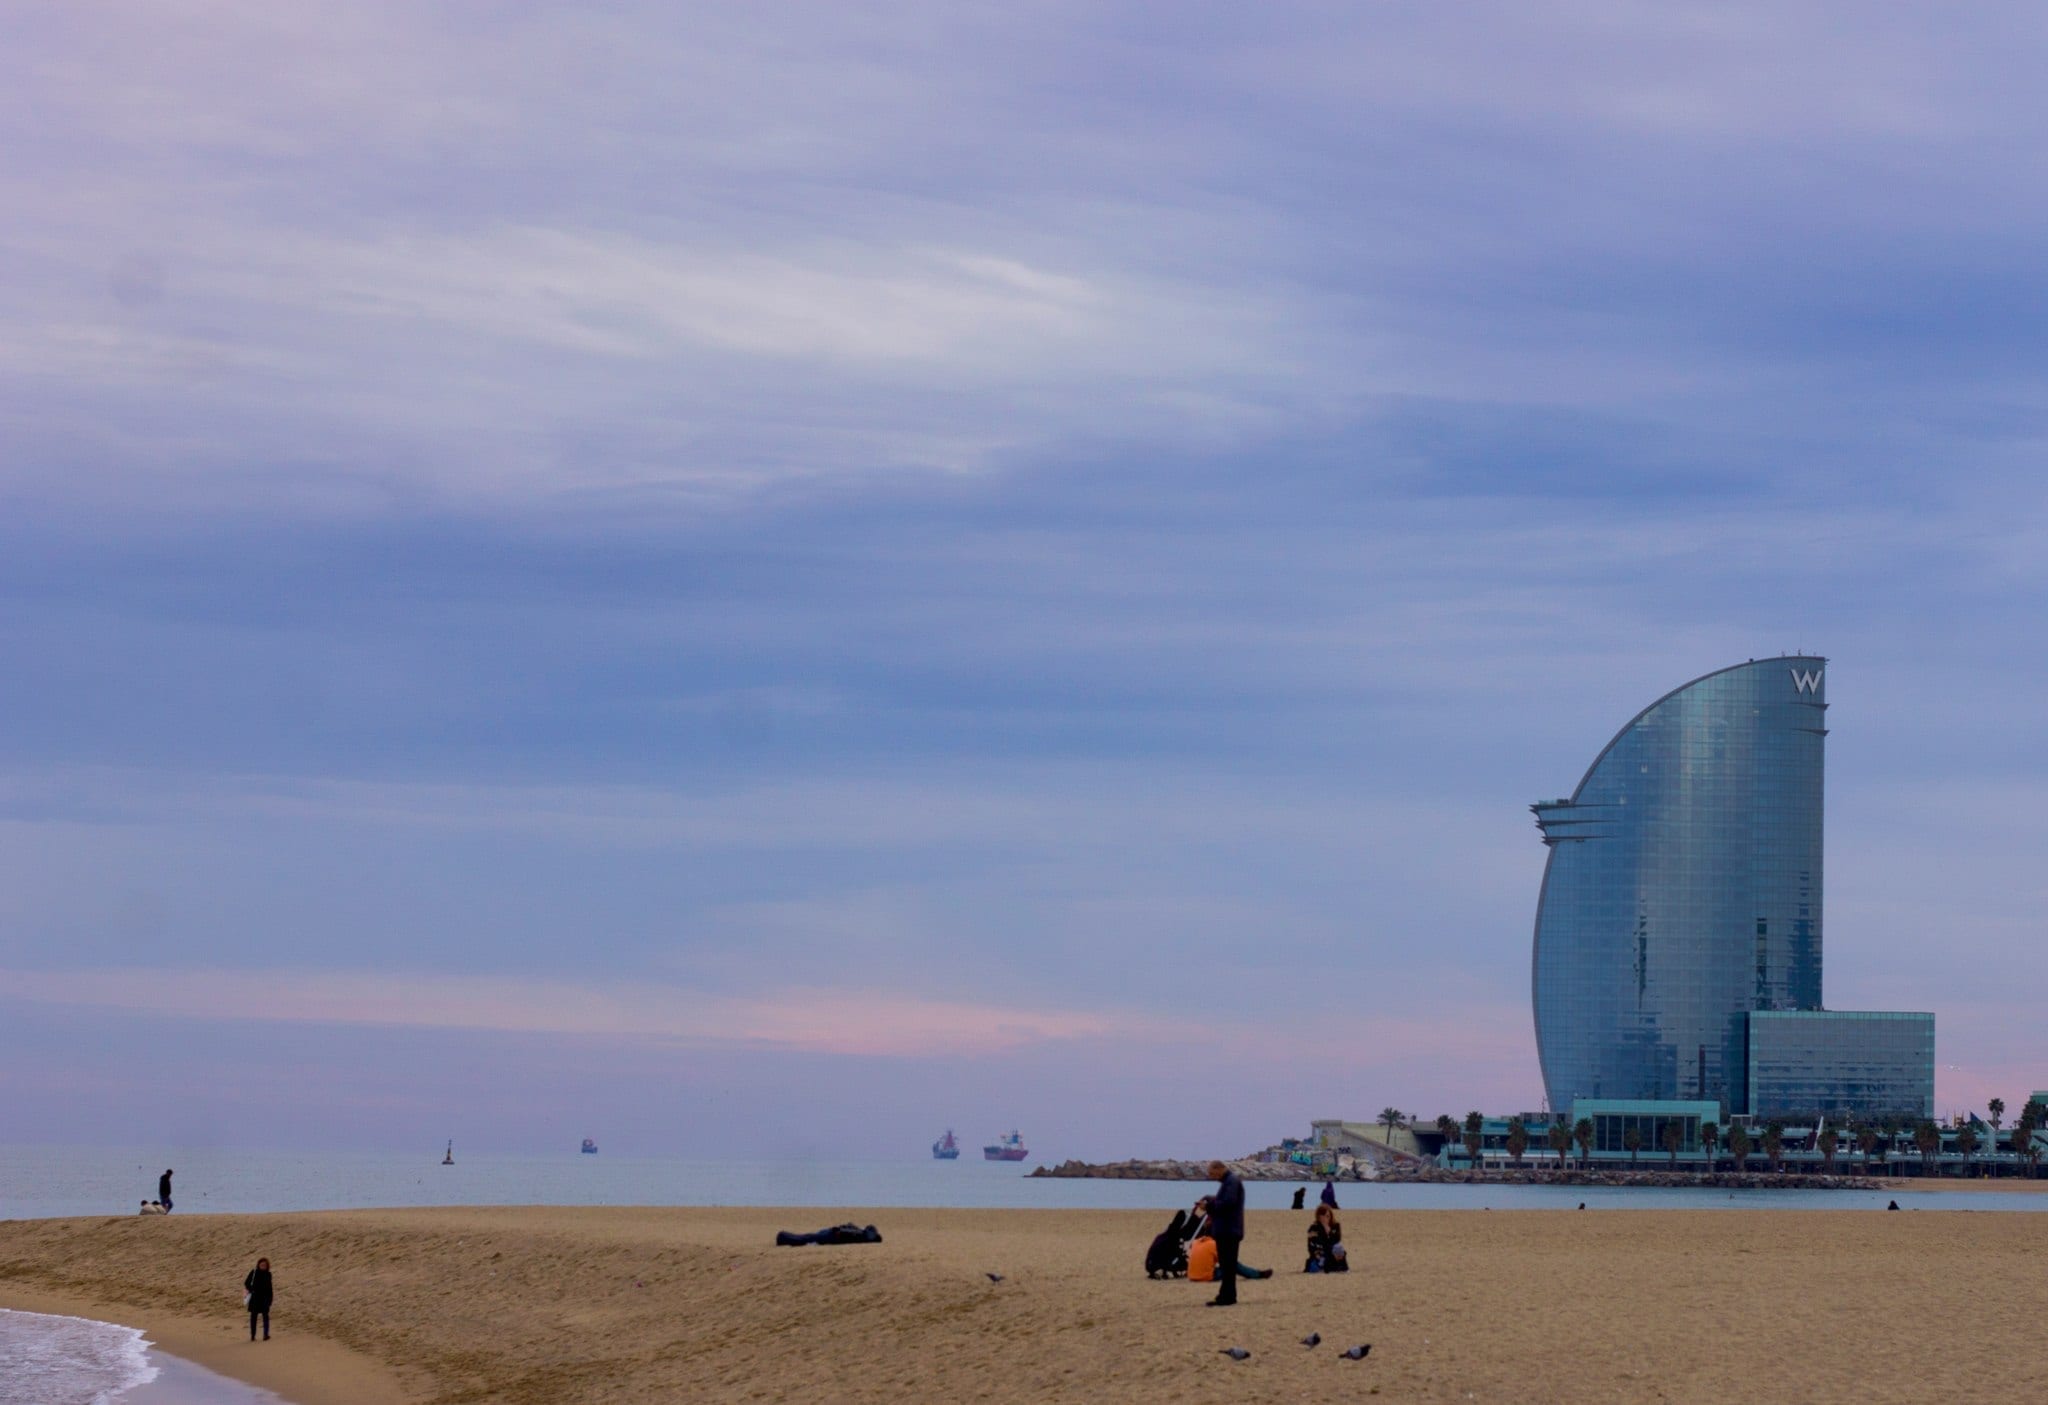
column 1326, row 1244
column 1198, row 1228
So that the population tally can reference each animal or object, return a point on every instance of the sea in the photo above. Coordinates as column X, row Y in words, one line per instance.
column 56, row 1360
column 47, row 1360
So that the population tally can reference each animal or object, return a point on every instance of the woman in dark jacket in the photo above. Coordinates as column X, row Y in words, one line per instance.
column 1326, row 1244
column 257, row 1286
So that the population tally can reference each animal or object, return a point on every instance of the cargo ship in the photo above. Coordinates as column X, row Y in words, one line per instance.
column 589, row 1147
column 945, row 1148
column 1009, row 1148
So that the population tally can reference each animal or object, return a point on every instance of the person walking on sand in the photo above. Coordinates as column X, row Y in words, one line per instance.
column 1330, row 1194
column 163, row 1191
column 1299, row 1192
column 1226, row 1224
column 256, row 1287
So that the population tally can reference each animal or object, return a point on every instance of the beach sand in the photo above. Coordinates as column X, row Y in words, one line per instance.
column 2012, row 1184
column 639, row 1305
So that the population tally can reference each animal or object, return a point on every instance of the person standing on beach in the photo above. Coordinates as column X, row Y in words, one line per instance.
column 1330, row 1194
column 163, row 1191
column 257, row 1287
column 1226, row 1225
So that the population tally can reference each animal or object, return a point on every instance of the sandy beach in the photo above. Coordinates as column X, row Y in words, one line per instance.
column 534, row 1305
column 2010, row 1184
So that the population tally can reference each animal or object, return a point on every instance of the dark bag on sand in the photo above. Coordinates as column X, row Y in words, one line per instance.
column 1165, row 1257
column 837, row 1234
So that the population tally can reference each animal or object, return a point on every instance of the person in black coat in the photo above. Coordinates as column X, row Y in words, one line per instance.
column 163, row 1191
column 257, row 1286
column 1198, row 1225
column 1226, row 1224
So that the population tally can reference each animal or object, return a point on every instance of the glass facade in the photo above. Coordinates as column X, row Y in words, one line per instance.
column 1612, row 1122
column 1868, row 1063
column 1683, row 890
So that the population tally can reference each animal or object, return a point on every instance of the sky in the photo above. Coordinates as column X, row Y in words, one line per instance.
column 773, row 579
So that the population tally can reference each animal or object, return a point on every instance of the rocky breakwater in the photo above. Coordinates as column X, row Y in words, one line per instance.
column 1140, row 1170
column 1639, row 1179
column 1413, row 1172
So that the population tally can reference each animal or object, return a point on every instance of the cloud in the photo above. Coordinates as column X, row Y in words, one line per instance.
column 800, row 1019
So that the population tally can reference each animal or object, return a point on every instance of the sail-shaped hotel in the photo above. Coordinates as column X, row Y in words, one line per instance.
column 1678, row 933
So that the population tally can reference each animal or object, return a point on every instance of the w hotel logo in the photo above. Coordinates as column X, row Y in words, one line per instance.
column 1806, row 682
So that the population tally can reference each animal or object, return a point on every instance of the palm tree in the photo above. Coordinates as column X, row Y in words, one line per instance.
column 1966, row 1143
column 1475, row 1137
column 1673, row 1139
column 1829, row 1139
column 1518, row 1140
column 1996, row 1107
column 1632, row 1140
column 1560, row 1138
column 1774, row 1145
column 1868, row 1140
column 1927, row 1137
column 1710, row 1137
column 1390, row 1118
column 2023, row 1138
column 1447, row 1128
column 1582, row 1133
column 1738, row 1146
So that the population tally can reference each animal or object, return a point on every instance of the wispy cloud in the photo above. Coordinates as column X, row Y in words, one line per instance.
column 810, row 1020
column 1025, row 515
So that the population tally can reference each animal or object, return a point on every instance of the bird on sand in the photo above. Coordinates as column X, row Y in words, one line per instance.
column 1235, row 1353
column 1311, row 1339
column 995, row 1278
column 1358, row 1353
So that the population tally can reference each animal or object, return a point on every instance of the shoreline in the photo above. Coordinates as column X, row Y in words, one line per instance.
column 543, row 1305
column 1966, row 1184
column 310, row 1371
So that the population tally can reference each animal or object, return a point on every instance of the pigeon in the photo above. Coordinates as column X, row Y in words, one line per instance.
column 995, row 1278
column 1358, row 1353
column 1235, row 1353
column 1311, row 1339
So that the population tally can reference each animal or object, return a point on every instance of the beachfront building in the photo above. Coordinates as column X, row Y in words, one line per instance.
column 1678, row 930
column 1840, row 1063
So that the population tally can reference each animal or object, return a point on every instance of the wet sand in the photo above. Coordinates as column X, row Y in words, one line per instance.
column 2017, row 1184
column 539, row 1306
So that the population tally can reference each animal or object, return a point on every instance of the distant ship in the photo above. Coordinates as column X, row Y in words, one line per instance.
column 1009, row 1148
column 589, row 1147
column 449, row 1158
column 945, row 1148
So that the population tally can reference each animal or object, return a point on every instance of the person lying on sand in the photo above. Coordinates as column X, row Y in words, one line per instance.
column 836, row 1234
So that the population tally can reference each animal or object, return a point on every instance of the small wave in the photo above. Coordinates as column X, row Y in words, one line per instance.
column 46, row 1360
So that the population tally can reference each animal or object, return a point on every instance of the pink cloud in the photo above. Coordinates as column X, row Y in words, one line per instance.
column 799, row 1018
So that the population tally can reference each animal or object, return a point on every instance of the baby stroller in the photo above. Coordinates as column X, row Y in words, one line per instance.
column 1167, row 1256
